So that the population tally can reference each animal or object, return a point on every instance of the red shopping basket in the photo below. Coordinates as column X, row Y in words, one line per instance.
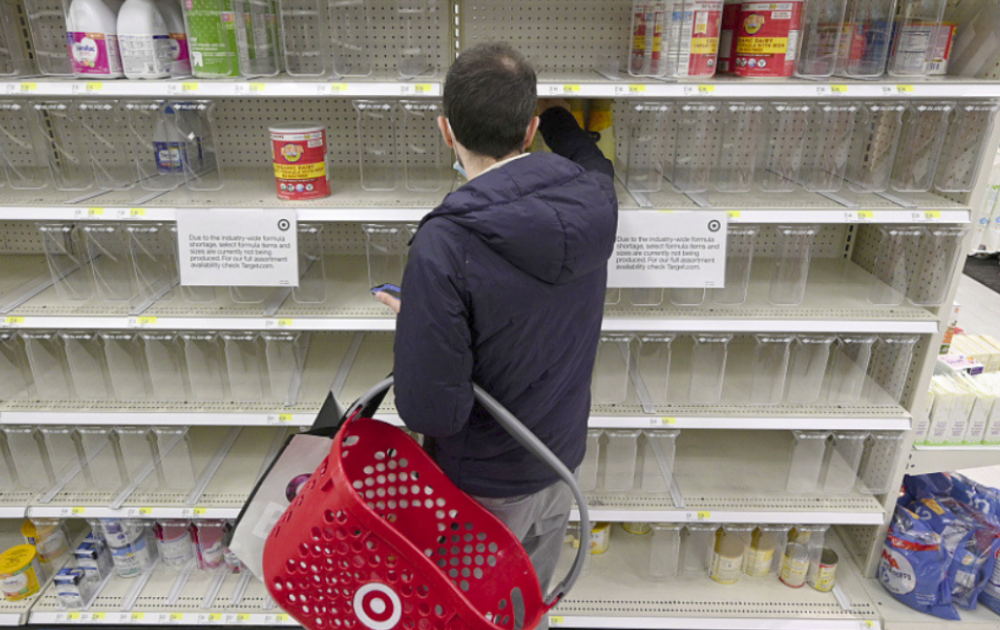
column 379, row 538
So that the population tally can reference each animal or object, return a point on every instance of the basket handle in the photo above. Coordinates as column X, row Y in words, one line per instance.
column 523, row 436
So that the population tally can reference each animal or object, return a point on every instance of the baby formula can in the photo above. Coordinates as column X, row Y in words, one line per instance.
column 299, row 151
column 19, row 572
column 794, row 565
column 694, row 38
column 767, row 39
column 823, row 571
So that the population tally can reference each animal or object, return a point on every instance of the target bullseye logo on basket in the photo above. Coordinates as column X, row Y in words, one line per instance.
column 377, row 606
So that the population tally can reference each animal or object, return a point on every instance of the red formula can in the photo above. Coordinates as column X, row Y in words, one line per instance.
column 767, row 39
column 299, row 151
column 727, row 37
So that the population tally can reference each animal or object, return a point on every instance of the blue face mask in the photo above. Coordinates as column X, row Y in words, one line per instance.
column 461, row 169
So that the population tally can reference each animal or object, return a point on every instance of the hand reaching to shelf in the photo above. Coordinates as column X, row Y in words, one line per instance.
column 545, row 104
column 388, row 300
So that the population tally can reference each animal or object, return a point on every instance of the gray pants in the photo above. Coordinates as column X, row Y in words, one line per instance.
column 540, row 521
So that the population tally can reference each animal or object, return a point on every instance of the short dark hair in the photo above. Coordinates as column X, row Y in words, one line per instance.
column 490, row 96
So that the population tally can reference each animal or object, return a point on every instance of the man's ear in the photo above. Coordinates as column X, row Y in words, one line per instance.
column 446, row 132
column 529, row 137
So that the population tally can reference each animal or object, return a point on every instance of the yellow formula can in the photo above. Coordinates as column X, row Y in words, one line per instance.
column 823, row 571
column 19, row 572
column 600, row 538
column 639, row 529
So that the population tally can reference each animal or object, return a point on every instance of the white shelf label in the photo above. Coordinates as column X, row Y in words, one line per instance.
column 663, row 249
column 248, row 248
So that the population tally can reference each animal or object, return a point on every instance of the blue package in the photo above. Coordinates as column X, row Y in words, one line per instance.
column 990, row 595
column 933, row 485
column 914, row 566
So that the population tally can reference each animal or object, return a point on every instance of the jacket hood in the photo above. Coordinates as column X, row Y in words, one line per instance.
column 543, row 213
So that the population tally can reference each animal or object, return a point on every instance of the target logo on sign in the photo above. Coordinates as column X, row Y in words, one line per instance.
column 377, row 606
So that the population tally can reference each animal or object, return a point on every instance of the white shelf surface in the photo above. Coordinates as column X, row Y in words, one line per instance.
column 615, row 594
column 578, row 85
column 280, row 86
column 152, row 606
column 928, row 459
column 835, row 302
column 254, row 188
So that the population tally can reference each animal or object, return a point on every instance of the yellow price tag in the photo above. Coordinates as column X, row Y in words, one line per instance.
column 242, row 618
column 556, row 621
column 668, row 420
column 73, row 616
column 95, row 86
column 176, row 616
column 98, row 616
column 200, row 511
column 636, row 88
column 145, row 511
column 258, row 87
column 95, row 212
column 704, row 516
column 285, row 322
column 571, row 88
column 29, row 87
column 189, row 87
column 14, row 321
column 734, row 214
column 932, row 214
column 215, row 617
column 146, row 320
column 866, row 214
column 423, row 88
column 868, row 623
column 77, row 511
column 838, row 89
column 284, row 417
column 338, row 88
column 137, row 212
column 706, row 89
column 281, row 618
column 137, row 616
column 903, row 89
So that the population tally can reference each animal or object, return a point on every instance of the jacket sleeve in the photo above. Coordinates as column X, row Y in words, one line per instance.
column 433, row 346
column 564, row 136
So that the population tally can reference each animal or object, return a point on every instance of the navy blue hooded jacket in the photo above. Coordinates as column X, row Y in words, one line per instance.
column 505, row 287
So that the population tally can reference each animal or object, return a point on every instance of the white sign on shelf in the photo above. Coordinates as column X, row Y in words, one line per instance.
column 668, row 249
column 241, row 248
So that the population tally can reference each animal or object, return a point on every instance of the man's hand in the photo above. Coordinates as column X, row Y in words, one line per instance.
column 389, row 301
column 545, row 104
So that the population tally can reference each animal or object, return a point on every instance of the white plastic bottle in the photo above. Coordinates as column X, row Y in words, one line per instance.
column 92, row 39
column 171, row 12
column 144, row 40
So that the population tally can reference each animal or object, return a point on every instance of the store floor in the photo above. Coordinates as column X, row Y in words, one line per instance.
column 980, row 308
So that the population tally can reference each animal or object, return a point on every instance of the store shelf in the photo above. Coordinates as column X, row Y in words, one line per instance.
column 612, row 595
column 326, row 360
column 577, row 85
column 615, row 594
column 722, row 477
column 735, row 478
column 250, row 188
column 239, row 601
column 928, row 459
column 282, row 86
column 835, row 302
column 593, row 85
column 16, row 613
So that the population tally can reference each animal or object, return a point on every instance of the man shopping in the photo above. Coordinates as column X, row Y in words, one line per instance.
column 505, row 288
